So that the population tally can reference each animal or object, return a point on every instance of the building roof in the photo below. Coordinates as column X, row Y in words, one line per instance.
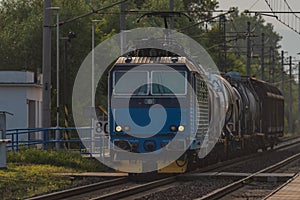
column 17, row 79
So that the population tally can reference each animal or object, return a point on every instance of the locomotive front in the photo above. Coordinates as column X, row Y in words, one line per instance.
column 151, row 104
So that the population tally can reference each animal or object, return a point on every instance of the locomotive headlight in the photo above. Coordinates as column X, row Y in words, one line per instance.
column 118, row 128
column 181, row 128
column 173, row 128
column 127, row 128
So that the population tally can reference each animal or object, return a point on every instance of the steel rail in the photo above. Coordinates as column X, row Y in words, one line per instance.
column 236, row 161
column 80, row 190
column 136, row 189
column 216, row 194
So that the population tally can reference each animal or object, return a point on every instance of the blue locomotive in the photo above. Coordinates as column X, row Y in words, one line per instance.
column 140, row 86
column 164, row 104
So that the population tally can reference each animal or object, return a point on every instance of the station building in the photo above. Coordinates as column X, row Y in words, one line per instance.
column 21, row 95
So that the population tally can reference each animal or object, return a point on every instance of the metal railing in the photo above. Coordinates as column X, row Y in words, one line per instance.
column 44, row 138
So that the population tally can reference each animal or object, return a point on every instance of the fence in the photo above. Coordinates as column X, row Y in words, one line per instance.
column 44, row 138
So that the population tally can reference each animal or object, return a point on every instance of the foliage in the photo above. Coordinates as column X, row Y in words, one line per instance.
column 236, row 43
column 21, row 24
column 200, row 10
column 32, row 172
column 21, row 45
column 66, row 159
column 19, row 182
column 238, row 23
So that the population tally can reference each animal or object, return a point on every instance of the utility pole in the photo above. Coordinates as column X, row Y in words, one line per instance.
column 57, row 131
column 248, row 49
column 282, row 72
column 298, row 97
column 224, row 44
column 71, row 35
column 270, row 63
column 172, row 16
column 57, row 72
column 262, row 56
column 65, row 81
column 122, row 26
column 273, row 65
column 291, row 98
column 222, row 31
column 46, row 114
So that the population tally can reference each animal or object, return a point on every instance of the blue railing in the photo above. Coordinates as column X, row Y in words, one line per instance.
column 45, row 137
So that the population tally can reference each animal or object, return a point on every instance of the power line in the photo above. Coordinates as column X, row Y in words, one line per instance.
column 207, row 20
column 91, row 13
column 280, row 10
column 253, row 4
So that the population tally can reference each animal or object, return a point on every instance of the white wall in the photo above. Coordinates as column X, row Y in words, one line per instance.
column 13, row 100
column 16, row 88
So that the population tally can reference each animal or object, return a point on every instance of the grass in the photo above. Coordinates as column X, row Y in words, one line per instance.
column 67, row 159
column 31, row 172
column 18, row 182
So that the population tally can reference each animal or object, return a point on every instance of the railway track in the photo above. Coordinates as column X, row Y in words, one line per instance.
column 136, row 189
column 240, row 183
column 80, row 190
column 114, row 194
column 124, row 192
column 287, row 143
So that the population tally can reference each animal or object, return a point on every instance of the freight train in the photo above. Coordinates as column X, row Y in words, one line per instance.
column 173, row 93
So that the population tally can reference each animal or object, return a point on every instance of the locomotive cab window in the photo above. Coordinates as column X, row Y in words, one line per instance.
column 168, row 83
column 128, row 83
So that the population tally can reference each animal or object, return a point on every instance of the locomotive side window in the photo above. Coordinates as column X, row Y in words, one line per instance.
column 128, row 83
column 168, row 83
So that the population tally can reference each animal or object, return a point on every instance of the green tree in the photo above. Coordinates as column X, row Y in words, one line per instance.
column 235, row 42
column 20, row 36
column 237, row 27
column 21, row 23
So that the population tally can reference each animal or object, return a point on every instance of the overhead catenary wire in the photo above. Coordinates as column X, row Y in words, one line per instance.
column 91, row 13
column 254, row 4
column 204, row 21
column 284, row 14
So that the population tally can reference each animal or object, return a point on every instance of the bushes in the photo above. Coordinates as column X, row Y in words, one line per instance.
column 56, row 158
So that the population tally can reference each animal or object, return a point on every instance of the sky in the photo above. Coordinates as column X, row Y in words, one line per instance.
column 290, row 41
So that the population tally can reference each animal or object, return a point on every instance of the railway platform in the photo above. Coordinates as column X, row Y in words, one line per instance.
column 289, row 191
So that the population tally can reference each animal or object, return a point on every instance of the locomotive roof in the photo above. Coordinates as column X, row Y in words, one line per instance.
column 159, row 60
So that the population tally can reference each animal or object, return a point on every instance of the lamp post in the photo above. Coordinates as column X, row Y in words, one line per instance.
column 57, row 134
column 46, row 115
column 291, row 128
column 298, row 95
column 93, row 61
column 93, row 85
column 71, row 35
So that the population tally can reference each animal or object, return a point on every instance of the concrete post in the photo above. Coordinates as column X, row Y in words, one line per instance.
column 46, row 119
column 3, row 140
column 248, row 64
column 122, row 26
column 291, row 121
column 263, row 57
column 299, row 98
column 282, row 72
